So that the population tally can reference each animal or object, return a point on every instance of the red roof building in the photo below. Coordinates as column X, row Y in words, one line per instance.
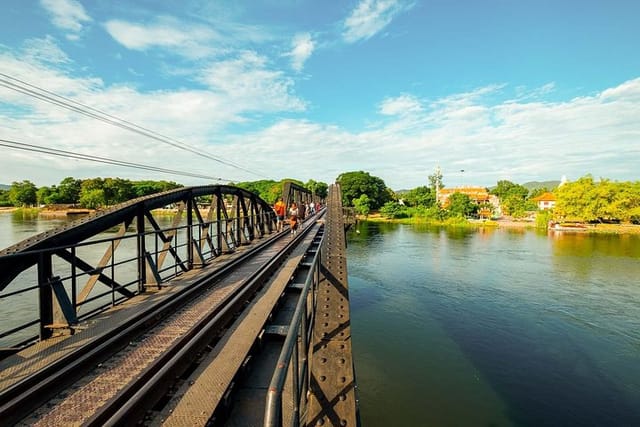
column 545, row 201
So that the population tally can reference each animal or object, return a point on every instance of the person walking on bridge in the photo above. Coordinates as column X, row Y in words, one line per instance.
column 279, row 208
column 293, row 218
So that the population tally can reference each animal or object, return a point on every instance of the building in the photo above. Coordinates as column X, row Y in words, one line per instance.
column 545, row 201
column 478, row 195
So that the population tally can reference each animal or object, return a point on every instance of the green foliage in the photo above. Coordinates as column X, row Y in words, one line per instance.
column 420, row 196
column 461, row 205
column 320, row 189
column 362, row 205
column 590, row 201
column 513, row 198
column 435, row 180
column 543, row 218
column 267, row 189
column 354, row 184
column 145, row 188
column 93, row 199
column 393, row 210
column 4, row 198
column 23, row 194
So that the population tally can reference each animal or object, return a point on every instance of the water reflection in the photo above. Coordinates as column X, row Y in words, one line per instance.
column 495, row 327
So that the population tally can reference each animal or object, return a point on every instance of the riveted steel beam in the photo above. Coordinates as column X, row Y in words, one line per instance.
column 332, row 378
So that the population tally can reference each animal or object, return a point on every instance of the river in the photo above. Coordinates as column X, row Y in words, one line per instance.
column 498, row 327
column 473, row 327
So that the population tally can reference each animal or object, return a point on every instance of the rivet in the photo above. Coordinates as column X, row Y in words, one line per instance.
column 323, row 378
column 323, row 360
column 343, row 379
column 320, row 422
column 343, row 397
column 343, row 423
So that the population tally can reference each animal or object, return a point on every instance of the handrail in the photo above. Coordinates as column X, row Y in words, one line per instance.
column 297, row 329
column 123, row 281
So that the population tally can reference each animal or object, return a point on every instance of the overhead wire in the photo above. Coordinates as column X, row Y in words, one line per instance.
column 42, row 94
column 80, row 156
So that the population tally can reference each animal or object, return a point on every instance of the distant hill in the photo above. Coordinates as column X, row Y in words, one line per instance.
column 4, row 187
column 550, row 185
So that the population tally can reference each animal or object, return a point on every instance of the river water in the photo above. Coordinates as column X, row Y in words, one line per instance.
column 465, row 327
column 455, row 327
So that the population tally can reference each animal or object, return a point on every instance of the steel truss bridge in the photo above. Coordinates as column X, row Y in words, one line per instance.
column 205, row 317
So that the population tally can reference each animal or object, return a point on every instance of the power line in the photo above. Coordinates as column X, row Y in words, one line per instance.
column 71, row 155
column 37, row 92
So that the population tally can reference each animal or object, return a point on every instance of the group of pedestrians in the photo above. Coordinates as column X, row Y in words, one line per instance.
column 296, row 214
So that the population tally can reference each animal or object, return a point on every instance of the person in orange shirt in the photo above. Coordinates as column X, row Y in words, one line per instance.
column 279, row 208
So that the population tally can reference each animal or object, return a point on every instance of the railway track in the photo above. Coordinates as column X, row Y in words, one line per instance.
column 179, row 361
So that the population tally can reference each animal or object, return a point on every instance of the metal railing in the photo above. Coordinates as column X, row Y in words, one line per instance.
column 295, row 354
column 60, row 291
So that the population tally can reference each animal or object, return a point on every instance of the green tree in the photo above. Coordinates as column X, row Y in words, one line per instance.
column 320, row 189
column 267, row 189
column 573, row 200
column 354, row 184
column 393, row 210
column 92, row 199
column 69, row 190
column 461, row 205
column 42, row 195
column 362, row 205
column 117, row 190
column 420, row 196
column 4, row 198
column 435, row 180
column 513, row 197
column 23, row 193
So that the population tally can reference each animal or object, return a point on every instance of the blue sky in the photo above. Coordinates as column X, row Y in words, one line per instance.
column 502, row 89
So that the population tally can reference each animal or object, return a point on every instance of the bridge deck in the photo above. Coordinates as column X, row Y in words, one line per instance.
column 33, row 359
column 217, row 372
column 332, row 399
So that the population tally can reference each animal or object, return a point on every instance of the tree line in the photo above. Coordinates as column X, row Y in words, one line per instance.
column 94, row 193
column 269, row 190
column 582, row 200
column 89, row 193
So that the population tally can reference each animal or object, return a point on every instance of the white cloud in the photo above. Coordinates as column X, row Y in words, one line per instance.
column 400, row 106
column 491, row 139
column 192, row 41
column 301, row 50
column 68, row 15
column 369, row 18
column 45, row 50
column 253, row 86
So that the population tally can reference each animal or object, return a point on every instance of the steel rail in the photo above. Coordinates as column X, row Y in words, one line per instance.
column 31, row 392
column 138, row 396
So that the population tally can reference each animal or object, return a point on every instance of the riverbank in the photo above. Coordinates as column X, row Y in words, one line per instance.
column 48, row 213
column 503, row 223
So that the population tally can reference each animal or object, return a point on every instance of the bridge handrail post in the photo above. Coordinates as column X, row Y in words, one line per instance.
column 273, row 406
column 45, row 293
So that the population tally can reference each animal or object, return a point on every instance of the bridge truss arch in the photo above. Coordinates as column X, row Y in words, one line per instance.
column 61, row 267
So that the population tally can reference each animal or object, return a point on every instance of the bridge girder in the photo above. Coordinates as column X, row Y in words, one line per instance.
column 235, row 217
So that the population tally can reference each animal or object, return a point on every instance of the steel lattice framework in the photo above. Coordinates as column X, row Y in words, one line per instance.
column 209, row 221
